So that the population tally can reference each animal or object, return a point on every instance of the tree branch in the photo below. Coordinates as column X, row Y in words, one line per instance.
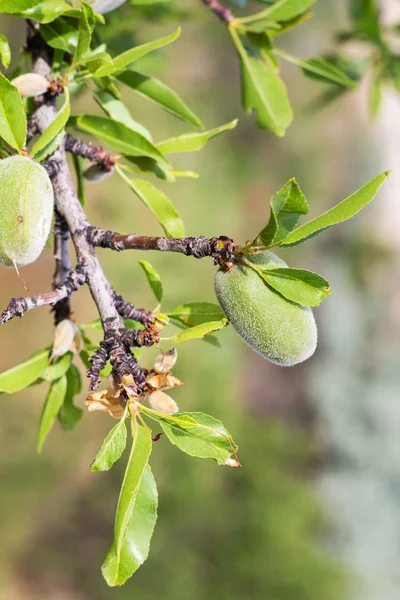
column 199, row 247
column 222, row 12
column 86, row 150
column 62, row 309
column 19, row 306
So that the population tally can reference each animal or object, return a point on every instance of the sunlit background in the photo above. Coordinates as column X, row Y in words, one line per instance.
column 315, row 512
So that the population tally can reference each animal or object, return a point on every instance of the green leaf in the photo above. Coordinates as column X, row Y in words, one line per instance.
column 80, row 182
column 12, row 115
column 199, row 331
column 55, row 127
column 50, row 147
column 5, row 52
column 375, row 96
column 196, row 313
column 128, row 57
column 283, row 10
column 159, row 93
column 190, row 142
column 136, row 513
column 60, row 34
column 153, row 279
column 85, row 33
column 117, row 135
column 115, row 109
column 112, row 447
column 263, row 91
column 47, row 10
column 196, row 434
column 365, row 16
column 70, row 414
column 287, row 206
column 297, row 285
column 52, row 405
column 158, row 203
column 319, row 68
column 341, row 212
column 19, row 377
column 9, row 7
column 144, row 164
column 58, row 368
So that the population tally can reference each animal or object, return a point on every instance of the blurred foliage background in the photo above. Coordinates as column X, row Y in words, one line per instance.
column 314, row 513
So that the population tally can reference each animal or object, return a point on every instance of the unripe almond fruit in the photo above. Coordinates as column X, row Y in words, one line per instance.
column 26, row 209
column 283, row 332
column 31, row 84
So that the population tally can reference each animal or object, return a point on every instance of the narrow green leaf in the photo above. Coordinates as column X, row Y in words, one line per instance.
column 136, row 513
column 19, row 377
column 375, row 96
column 263, row 91
column 153, row 279
column 297, row 285
column 117, row 135
column 158, row 203
column 112, row 447
column 80, row 182
column 128, row 57
column 159, row 93
column 341, row 212
column 115, row 109
column 50, row 147
column 58, row 368
column 198, row 331
column 196, row 434
column 46, row 10
column 54, row 128
column 10, row 7
column 144, row 164
column 190, row 142
column 5, row 52
column 196, row 313
column 60, row 34
column 85, row 33
column 287, row 206
column 52, row 405
column 282, row 10
column 70, row 414
column 12, row 115
column 320, row 68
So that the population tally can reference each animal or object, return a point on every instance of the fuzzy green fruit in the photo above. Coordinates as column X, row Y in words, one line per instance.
column 281, row 331
column 26, row 209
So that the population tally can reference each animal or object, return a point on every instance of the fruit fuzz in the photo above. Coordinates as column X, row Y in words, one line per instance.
column 26, row 208
column 281, row 331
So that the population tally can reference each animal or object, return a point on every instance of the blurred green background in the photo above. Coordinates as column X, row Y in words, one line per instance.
column 314, row 513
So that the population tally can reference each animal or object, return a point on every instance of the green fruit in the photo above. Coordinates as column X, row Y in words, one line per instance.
column 26, row 209
column 281, row 331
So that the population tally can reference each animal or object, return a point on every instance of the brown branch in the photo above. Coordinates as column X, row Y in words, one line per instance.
column 86, row 150
column 222, row 12
column 62, row 309
column 127, row 310
column 19, row 306
column 199, row 247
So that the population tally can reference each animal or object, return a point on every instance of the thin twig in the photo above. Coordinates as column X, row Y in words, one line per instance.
column 19, row 306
